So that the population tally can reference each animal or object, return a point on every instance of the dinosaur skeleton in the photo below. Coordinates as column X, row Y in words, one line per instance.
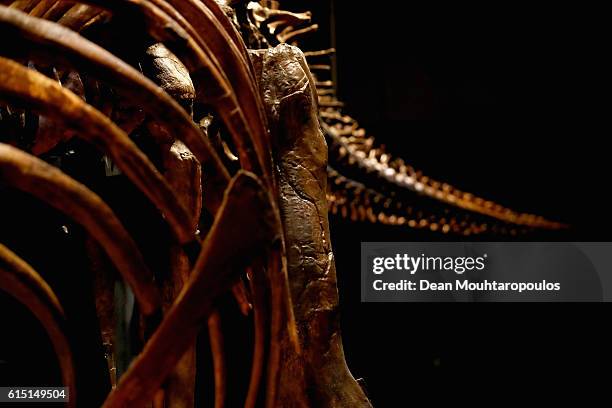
column 225, row 142
column 443, row 207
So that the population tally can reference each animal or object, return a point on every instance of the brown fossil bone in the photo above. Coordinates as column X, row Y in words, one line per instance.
column 280, row 24
column 19, row 280
column 458, row 212
column 41, row 93
column 29, row 174
column 200, row 37
column 301, row 155
column 166, row 25
column 234, row 35
column 200, row 22
column 184, row 174
column 104, row 279
column 218, row 355
column 260, row 320
column 49, row 134
column 350, row 146
column 42, row 8
column 86, row 58
column 58, row 9
column 170, row 74
column 234, row 231
column 59, row 45
column 80, row 16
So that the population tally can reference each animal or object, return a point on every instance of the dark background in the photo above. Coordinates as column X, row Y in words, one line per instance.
column 506, row 101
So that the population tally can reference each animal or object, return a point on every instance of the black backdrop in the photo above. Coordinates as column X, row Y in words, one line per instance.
column 506, row 101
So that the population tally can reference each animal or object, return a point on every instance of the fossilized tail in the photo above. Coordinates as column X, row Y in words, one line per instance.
column 369, row 184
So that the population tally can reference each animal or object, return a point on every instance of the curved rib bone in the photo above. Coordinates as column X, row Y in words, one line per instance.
column 215, row 335
column 57, row 10
column 79, row 17
column 29, row 174
column 260, row 319
column 19, row 280
column 234, row 231
column 215, row 40
column 217, row 91
column 55, row 43
column 23, row 85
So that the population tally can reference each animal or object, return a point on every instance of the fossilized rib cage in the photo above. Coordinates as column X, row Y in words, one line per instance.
column 193, row 119
column 91, row 94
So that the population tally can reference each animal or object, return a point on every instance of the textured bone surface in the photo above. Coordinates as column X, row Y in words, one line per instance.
column 183, row 172
column 170, row 73
column 301, row 156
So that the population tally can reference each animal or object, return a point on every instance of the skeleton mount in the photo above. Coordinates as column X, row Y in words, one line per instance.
column 168, row 167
